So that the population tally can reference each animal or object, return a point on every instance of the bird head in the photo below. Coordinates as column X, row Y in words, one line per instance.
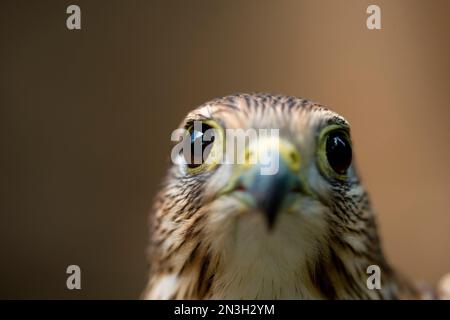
column 261, row 165
column 270, row 205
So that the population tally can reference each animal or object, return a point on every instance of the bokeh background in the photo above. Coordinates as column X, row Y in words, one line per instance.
column 86, row 117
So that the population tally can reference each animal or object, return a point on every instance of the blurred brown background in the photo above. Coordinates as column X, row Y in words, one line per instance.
column 86, row 118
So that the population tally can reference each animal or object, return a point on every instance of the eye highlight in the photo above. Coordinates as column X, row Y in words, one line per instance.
column 338, row 151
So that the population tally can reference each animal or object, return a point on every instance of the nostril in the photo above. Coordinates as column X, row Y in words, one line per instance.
column 248, row 157
column 293, row 157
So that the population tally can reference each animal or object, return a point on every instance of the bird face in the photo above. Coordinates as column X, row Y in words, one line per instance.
column 280, row 215
column 283, row 213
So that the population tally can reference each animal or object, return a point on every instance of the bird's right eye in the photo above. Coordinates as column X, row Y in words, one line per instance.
column 201, row 140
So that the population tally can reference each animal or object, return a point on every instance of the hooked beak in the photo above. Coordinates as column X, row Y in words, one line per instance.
column 268, row 191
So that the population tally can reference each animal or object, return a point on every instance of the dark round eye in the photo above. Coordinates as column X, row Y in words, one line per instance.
column 339, row 151
column 200, row 139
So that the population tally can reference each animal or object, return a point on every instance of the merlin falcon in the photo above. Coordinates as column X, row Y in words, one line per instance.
column 226, row 231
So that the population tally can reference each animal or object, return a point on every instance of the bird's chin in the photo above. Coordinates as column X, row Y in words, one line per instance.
column 236, row 220
column 240, row 233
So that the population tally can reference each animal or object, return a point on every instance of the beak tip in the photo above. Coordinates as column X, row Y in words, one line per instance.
column 270, row 226
column 270, row 217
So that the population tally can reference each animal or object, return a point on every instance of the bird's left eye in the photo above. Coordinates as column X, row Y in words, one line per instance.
column 201, row 137
column 338, row 151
